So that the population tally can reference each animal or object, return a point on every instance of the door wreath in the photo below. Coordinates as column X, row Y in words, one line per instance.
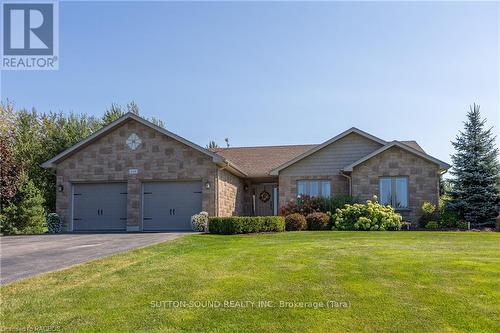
column 264, row 196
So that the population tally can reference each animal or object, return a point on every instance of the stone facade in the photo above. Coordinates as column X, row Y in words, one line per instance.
column 159, row 157
column 288, row 186
column 229, row 194
column 423, row 179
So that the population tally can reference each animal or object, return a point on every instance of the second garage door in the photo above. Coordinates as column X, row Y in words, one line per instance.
column 170, row 205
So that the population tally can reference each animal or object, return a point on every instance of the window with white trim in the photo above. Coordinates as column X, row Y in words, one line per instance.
column 393, row 191
column 314, row 188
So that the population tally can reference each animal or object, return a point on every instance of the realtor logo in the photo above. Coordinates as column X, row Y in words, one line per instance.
column 30, row 35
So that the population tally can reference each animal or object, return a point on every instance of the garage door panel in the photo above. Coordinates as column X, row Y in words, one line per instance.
column 100, row 207
column 85, row 206
column 170, row 205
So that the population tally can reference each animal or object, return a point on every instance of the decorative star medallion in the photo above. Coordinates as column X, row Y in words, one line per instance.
column 134, row 141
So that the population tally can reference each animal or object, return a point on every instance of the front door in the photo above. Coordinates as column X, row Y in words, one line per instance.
column 264, row 199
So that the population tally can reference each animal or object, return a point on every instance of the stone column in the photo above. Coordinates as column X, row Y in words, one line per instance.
column 134, row 209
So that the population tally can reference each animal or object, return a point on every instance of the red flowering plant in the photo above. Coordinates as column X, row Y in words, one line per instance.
column 304, row 205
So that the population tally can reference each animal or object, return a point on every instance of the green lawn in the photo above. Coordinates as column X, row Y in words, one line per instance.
column 390, row 281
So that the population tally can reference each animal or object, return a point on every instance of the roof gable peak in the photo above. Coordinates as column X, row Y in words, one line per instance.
column 129, row 115
column 395, row 143
column 326, row 143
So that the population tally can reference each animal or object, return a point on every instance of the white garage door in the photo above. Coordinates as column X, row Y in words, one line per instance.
column 170, row 205
column 100, row 207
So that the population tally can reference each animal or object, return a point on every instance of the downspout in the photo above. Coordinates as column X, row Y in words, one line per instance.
column 349, row 179
column 441, row 173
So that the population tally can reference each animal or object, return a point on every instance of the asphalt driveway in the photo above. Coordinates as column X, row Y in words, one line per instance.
column 23, row 256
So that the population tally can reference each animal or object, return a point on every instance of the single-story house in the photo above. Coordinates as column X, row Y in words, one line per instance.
column 135, row 176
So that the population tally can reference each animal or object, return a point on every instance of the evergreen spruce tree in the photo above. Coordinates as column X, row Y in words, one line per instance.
column 475, row 186
column 26, row 214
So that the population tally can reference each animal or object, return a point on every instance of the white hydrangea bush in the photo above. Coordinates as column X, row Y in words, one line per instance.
column 199, row 222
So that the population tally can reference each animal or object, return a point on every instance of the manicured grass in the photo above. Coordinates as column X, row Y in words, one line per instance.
column 392, row 282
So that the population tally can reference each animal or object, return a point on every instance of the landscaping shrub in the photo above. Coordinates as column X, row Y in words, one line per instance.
column 306, row 205
column 448, row 216
column 331, row 204
column 199, row 222
column 318, row 221
column 462, row 224
column 368, row 216
column 54, row 224
column 245, row 224
column 294, row 222
column 429, row 213
column 6, row 226
column 25, row 215
column 432, row 225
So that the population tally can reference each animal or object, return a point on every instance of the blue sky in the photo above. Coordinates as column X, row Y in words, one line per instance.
column 277, row 73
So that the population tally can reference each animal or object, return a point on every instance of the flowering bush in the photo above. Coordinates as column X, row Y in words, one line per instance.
column 54, row 223
column 199, row 222
column 368, row 216
column 306, row 205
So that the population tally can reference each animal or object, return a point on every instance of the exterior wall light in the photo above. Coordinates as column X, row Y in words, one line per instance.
column 60, row 188
column 207, row 185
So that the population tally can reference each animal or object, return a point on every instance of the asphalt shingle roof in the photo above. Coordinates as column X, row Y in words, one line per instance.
column 258, row 161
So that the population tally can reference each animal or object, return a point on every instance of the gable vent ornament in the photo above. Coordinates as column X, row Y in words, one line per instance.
column 134, row 141
column 264, row 196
